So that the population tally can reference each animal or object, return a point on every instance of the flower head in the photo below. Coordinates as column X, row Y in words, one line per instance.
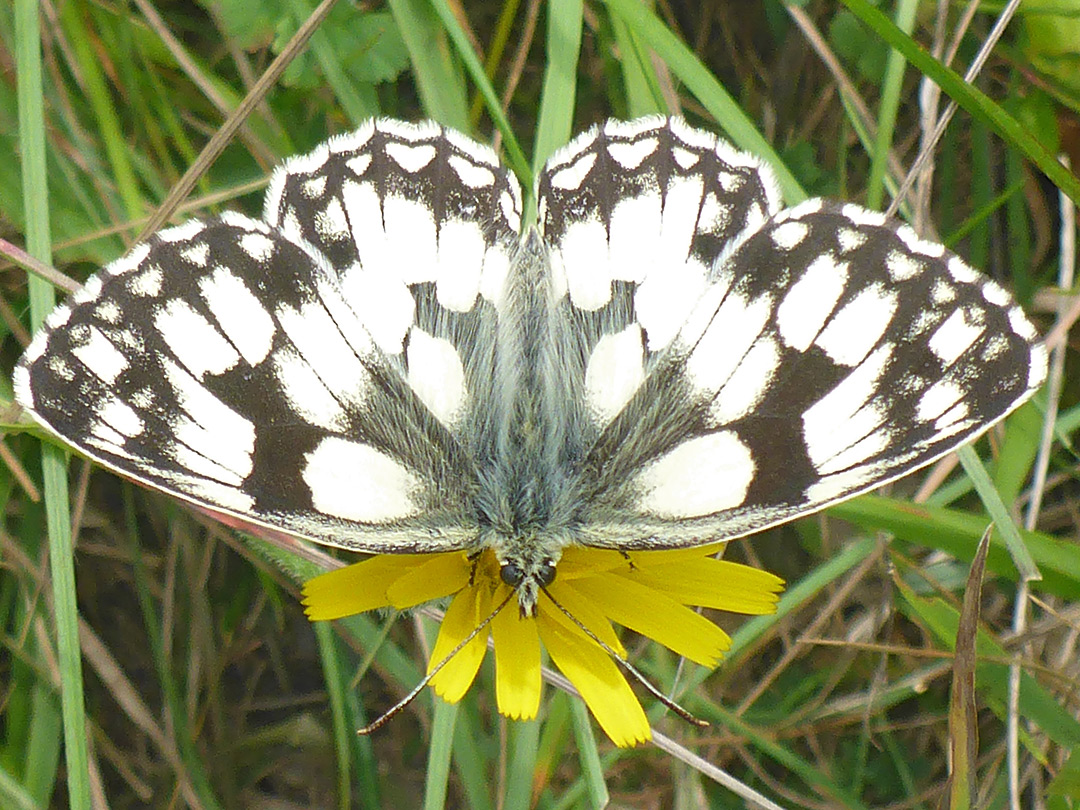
column 649, row 592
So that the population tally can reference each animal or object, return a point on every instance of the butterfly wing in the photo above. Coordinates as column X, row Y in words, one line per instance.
column 634, row 214
column 313, row 373
column 825, row 351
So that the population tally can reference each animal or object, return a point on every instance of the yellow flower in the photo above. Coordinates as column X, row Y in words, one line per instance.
column 646, row 591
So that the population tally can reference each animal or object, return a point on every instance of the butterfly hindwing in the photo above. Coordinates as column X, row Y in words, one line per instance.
column 421, row 227
column 635, row 214
column 220, row 362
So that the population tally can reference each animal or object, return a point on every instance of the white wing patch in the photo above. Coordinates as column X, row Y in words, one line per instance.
column 614, row 372
column 194, row 340
column 210, row 428
column 461, row 261
column 382, row 303
column 99, row 355
column 242, row 318
column 354, row 481
column 584, row 248
column 410, row 228
column 828, row 424
column 634, row 236
column 858, row 326
column 306, row 392
column 955, row 336
column 319, row 340
column 663, row 303
column 737, row 325
column 436, row 375
column 810, row 302
column 700, row 477
column 120, row 417
column 748, row 384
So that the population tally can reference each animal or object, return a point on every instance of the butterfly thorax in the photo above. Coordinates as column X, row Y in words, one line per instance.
column 529, row 499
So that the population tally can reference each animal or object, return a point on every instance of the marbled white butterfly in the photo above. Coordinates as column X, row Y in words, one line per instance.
column 390, row 360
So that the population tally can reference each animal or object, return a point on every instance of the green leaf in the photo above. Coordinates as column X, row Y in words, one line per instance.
column 958, row 532
column 368, row 48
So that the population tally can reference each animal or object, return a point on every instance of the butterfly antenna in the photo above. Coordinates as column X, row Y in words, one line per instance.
column 654, row 691
column 386, row 716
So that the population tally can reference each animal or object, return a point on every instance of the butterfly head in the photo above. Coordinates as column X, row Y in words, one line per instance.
column 527, row 576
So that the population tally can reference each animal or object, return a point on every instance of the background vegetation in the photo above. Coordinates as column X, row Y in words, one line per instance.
column 204, row 684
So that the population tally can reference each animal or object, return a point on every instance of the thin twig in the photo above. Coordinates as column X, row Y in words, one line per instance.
column 1066, row 274
column 221, row 139
column 843, row 82
column 19, row 473
column 191, row 69
column 38, row 268
column 976, row 66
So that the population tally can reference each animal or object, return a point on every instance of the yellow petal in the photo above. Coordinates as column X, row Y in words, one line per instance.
column 579, row 561
column 598, row 679
column 674, row 555
column 468, row 609
column 657, row 616
column 582, row 610
column 438, row 576
column 355, row 588
column 714, row 583
column 517, row 663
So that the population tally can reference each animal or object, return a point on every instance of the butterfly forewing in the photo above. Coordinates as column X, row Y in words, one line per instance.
column 832, row 351
column 219, row 361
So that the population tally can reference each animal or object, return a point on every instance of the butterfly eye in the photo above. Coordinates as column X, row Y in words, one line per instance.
column 545, row 575
column 511, row 574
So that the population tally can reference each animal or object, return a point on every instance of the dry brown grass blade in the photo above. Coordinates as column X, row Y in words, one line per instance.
column 963, row 720
column 38, row 268
column 216, row 145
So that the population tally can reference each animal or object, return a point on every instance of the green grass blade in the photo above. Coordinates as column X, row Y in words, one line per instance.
column 970, row 98
column 1037, row 705
column 784, row 756
column 472, row 761
column 521, row 764
column 642, row 87
column 592, row 769
column 53, row 462
column 957, row 532
column 999, row 512
column 438, row 81
column 800, row 593
column 171, row 692
column 76, row 26
column 359, row 103
column 336, row 686
column 556, row 119
column 891, row 99
column 515, row 157
column 14, row 796
column 643, row 24
column 439, row 752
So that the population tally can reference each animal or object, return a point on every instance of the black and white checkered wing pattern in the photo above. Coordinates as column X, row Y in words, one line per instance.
column 831, row 351
column 220, row 362
column 634, row 215
column 383, row 363
column 411, row 202
column 313, row 372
